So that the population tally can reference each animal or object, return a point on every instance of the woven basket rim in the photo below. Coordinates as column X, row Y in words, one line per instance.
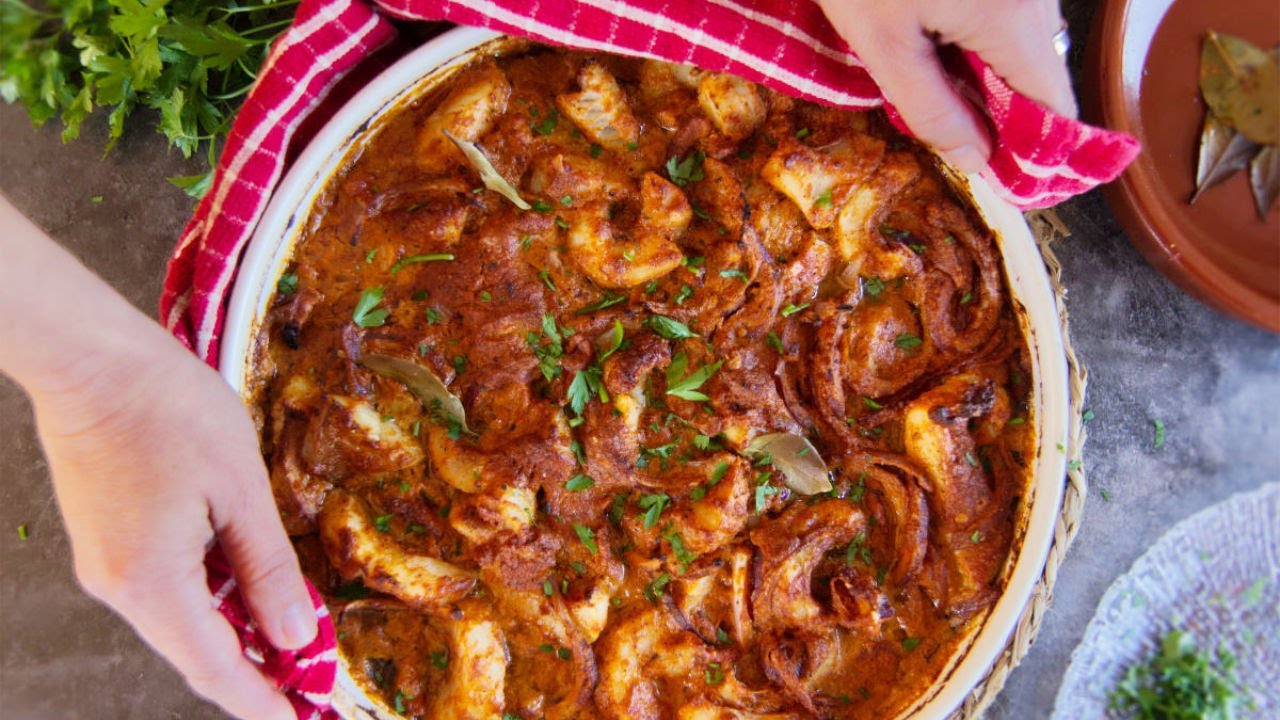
column 1046, row 228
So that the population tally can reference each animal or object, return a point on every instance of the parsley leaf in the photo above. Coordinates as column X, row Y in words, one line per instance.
column 414, row 259
column 587, row 536
column 653, row 505
column 683, row 172
column 365, row 315
column 287, row 284
column 687, row 387
column 668, row 328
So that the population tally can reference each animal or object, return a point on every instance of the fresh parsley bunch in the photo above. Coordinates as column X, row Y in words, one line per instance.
column 191, row 60
column 1181, row 682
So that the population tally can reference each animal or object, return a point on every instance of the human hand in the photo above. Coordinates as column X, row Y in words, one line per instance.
column 152, row 457
column 897, row 41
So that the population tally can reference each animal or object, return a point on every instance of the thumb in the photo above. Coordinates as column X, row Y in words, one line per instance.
column 264, row 562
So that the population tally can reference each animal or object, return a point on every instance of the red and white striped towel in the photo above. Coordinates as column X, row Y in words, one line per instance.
column 1039, row 158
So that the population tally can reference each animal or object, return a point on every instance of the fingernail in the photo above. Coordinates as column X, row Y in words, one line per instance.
column 967, row 158
column 298, row 625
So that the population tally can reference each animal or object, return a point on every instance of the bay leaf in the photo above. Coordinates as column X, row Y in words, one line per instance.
column 489, row 175
column 1264, row 179
column 1241, row 84
column 803, row 470
column 1223, row 151
column 423, row 383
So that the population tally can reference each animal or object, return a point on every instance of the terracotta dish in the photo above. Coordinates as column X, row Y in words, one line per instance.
column 1144, row 64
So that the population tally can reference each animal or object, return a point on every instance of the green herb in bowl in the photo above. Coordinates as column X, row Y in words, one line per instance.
column 1182, row 682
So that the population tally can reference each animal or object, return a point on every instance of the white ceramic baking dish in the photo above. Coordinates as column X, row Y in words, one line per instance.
column 286, row 216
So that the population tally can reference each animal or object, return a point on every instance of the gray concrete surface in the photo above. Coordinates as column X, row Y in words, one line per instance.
column 1153, row 353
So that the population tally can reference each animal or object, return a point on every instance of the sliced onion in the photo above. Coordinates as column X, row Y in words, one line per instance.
column 796, row 458
column 489, row 175
column 421, row 382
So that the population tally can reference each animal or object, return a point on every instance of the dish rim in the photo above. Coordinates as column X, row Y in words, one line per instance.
column 1152, row 221
column 271, row 247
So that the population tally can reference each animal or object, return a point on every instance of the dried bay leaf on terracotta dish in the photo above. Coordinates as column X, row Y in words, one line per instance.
column 1241, row 84
column 1264, row 178
column 1223, row 151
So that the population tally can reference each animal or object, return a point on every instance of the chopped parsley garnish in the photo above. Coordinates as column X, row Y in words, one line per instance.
column 683, row 556
column 668, row 328
column 609, row 300
column 564, row 653
column 369, row 256
column 858, row 550
column 562, row 223
column 871, row 404
column 460, row 364
column 657, row 588
column 824, row 200
column 872, row 286
column 683, row 172
column 686, row 386
column 1087, row 416
column 383, row 523
column 1158, row 440
column 545, row 276
column 714, row 674
column 548, row 124
column 541, row 206
column 790, row 309
column 440, row 658
column 653, row 505
column 693, row 262
column 802, row 133
column 287, row 284
column 722, row 469
column 907, row 341
column 596, row 150
column 364, row 314
column 414, row 259
column 614, row 341
column 579, row 482
column 773, row 341
column 966, row 298
column 22, row 531
column 859, row 488
column 895, row 234
column 763, row 491
column 1181, row 682
column 586, row 383
column 485, row 296
column 685, row 293
column 548, row 349
column 587, row 536
column 910, row 643
column 548, row 588
column 566, row 200
column 976, row 536
column 735, row 273
column 1016, row 421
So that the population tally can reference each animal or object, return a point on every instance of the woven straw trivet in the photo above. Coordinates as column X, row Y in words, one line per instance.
column 1047, row 228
